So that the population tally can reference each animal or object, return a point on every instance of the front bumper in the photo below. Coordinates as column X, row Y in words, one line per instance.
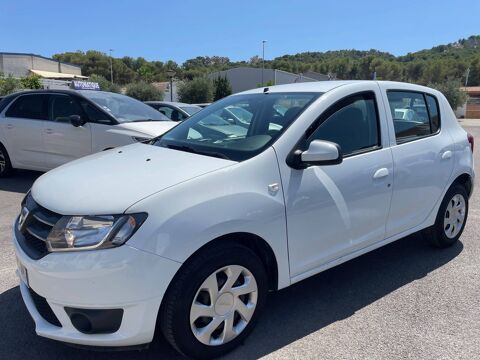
column 123, row 278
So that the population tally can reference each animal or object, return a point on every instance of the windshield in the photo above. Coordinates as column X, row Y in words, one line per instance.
column 123, row 108
column 222, row 130
column 191, row 109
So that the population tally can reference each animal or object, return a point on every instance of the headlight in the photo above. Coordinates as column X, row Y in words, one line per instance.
column 72, row 233
column 141, row 139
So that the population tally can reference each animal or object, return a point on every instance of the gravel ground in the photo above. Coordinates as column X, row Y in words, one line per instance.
column 404, row 301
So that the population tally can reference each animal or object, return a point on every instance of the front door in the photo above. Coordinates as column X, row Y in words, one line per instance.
column 335, row 210
column 63, row 141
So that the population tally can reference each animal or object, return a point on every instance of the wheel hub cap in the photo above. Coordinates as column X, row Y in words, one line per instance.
column 223, row 305
column 454, row 216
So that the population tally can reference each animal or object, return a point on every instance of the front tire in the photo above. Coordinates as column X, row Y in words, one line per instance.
column 214, row 301
column 5, row 164
column 451, row 218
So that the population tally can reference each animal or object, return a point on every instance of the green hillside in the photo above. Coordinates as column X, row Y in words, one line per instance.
column 436, row 65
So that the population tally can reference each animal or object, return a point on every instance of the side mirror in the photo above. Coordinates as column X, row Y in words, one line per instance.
column 320, row 152
column 77, row 120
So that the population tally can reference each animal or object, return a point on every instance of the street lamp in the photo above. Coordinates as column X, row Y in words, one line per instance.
column 171, row 74
column 111, row 66
column 263, row 57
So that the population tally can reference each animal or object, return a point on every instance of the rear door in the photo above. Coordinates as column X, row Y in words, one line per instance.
column 23, row 125
column 422, row 154
column 63, row 141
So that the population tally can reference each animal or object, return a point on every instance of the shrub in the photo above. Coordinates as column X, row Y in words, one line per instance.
column 31, row 82
column 198, row 90
column 9, row 85
column 451, row 90
column 222, row 88
column 144, row 91
column 105, row 85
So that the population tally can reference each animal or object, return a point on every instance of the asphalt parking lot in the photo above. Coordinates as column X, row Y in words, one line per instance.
column 404, row 301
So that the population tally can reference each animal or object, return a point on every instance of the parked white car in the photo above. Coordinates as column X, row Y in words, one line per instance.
column 40, row 130
column 191, row 231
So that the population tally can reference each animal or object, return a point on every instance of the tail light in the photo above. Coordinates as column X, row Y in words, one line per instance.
column 471, row 140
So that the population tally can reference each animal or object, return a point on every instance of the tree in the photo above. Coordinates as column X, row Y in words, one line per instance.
column 9, row 85
column 222, row 88
column 451, row 89
column 31, row 82
column 105, row 85
column 198, row 90
column 144, row 91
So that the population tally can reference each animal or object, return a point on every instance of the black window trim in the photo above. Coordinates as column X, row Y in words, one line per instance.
column 409, row 139
column 304, row 141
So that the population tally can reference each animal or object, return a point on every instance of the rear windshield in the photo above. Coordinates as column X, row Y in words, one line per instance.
column 238, row 127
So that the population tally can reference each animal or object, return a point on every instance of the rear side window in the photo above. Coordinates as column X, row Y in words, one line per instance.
column 29, row 107
column 415, row 115
column 353, row 124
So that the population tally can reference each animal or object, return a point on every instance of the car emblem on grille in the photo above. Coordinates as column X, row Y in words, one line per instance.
column 22, row 218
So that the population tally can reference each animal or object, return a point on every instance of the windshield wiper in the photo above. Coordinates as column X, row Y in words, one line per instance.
column 196, row 151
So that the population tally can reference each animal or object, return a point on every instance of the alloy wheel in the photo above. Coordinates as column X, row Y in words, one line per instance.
column 223, row 305
column 454, row 216
column 3, row 162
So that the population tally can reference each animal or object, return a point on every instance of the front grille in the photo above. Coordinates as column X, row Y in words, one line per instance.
column 34, row 230
column 44, row 309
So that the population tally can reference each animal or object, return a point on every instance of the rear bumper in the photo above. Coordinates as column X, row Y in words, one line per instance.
column 122, row 278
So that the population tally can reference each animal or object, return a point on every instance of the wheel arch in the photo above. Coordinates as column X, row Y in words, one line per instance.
column 465, row 180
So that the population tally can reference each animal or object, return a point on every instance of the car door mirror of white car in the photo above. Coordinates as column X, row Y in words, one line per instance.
column 77, row 120
column 319, row 152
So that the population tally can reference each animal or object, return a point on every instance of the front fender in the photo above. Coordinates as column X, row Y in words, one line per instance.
column 187, row 216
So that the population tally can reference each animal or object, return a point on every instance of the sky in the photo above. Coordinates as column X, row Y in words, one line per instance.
column 183, row 29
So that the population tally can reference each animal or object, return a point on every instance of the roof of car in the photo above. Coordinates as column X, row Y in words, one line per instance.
column 54, row 91
column 321, row 86
column 173, row 103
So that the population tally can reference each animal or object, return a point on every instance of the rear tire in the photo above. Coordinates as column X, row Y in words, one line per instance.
column 5, row 164
column 214, row 301
column 451, row 218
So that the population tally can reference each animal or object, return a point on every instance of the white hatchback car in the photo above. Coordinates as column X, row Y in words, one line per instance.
column 40, row 130
column 191, row 230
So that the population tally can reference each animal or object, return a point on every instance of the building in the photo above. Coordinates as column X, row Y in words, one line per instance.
column 245, row 78
column 472, row 107
column 53, row 72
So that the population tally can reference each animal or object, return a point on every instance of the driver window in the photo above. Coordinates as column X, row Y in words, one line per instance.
column 353, row 124
column 62, row 107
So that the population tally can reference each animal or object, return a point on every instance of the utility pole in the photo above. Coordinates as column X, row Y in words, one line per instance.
column 263, row 57
column 466, row 77
column 111, row 66
column 171, row 74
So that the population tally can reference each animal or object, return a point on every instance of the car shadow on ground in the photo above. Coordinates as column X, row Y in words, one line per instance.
column 301, row 309
column 20, row 181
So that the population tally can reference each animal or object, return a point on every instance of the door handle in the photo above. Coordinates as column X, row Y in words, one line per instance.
column 10, row 126
column 48, row 131
column 446, row 155
column 381, row 173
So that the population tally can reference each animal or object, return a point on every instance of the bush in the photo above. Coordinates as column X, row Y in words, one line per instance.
column 144, row 91
column 196, row 91
column 222, row 88
column 451, row 90
column 31, row 82
column 9, row 85
column 105, row 85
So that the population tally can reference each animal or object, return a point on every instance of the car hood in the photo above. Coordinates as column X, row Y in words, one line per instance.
column 111, row 181
column 151, row 128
